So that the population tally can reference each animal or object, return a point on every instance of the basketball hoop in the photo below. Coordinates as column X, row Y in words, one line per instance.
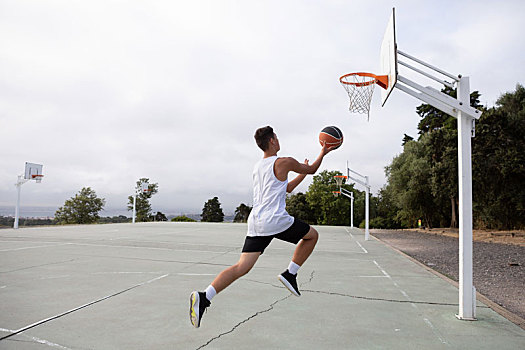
column 360, row 87
column 336, row 193
column 37, row 178
column 339, row 179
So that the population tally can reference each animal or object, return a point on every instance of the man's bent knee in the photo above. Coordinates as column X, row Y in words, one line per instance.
column 312, row 234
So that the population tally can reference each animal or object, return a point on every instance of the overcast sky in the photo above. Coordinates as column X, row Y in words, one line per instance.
column 105, row 92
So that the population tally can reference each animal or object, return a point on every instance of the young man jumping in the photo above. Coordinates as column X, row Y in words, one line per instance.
column 268, row 220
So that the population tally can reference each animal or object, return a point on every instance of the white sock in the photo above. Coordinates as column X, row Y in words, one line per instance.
column 210, row 292
column 293, row 268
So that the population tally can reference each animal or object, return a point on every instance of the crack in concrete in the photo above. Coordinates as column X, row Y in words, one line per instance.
column 253, row 316
column 38, row 323
column 361, row 297
column 32, row 267
column 382, row 299
column 243, row 321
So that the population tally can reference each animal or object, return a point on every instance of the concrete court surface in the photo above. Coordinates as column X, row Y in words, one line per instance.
column 124, row 286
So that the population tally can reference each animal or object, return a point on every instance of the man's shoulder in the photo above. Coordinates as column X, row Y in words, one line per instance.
column 285, row 162
column 286, row 159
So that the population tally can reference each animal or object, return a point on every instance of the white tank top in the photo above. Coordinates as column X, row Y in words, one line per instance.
column 268, row 216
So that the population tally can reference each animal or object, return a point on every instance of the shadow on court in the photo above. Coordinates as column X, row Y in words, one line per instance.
column 126, row 286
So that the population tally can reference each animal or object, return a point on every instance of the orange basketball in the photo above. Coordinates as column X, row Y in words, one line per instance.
column 332, row 135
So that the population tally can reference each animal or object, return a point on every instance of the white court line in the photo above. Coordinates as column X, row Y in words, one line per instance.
column 53, row 277
column 359, row 244
column 125, row 272
column 436, row 333
column 24, row 241
column 350, row 233
column 38, row 340
column 382, row 270
column 156, row 234
column 196, row 274
column 81, row 307
column 427, row 321
column 335, row 251
column 2, row 287
column 209, row 245
column 150, row 248
column 33, row 247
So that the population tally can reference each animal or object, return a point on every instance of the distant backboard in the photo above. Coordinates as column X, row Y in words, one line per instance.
column 145, row 187
column 31, row 170
column 389, row 57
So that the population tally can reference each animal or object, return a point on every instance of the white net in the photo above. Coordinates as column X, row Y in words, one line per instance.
column 339, row 180
column 360, row 89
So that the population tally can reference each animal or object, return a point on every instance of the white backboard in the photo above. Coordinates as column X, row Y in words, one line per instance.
column 389, row 57
column 32, row 169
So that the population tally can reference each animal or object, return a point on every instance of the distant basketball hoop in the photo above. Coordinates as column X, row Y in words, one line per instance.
column 339, row 179
column 145, row 187
column 37, row 178
column 32, row 172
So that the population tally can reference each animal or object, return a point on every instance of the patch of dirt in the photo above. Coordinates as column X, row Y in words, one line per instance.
column 498, row 260
column 515, row 237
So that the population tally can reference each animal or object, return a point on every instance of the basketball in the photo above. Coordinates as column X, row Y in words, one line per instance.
column 332, row 135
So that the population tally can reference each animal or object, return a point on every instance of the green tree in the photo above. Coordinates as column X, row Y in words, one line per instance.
column 298, row 207
column 434, row 119
column 441, row 130
column 499, row 164
column 409, row 176
column 327, row 209
column 212, row 211
column 160, row 217
column 183, row 218
column 242, row 212
column 406, row 138
column 81, row 209
column 386, row 211
column 143, row 206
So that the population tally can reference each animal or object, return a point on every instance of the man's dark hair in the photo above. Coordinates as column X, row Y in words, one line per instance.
column 263, row 136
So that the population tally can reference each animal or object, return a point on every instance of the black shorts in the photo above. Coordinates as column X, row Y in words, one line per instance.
column 293, row 235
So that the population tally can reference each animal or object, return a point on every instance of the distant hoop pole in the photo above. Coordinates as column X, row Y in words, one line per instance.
column 22, row 179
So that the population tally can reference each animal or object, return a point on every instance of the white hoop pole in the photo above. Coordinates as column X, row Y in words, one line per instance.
column 467, row 299
column 352, row 212
column 18, row 185
column 17, row 209
column 367, row 210
column 367, row 201
column 351, row 196
column 459, row 108
column 134, row 206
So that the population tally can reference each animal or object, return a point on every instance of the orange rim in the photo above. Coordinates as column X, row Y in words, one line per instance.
column 381, row 80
